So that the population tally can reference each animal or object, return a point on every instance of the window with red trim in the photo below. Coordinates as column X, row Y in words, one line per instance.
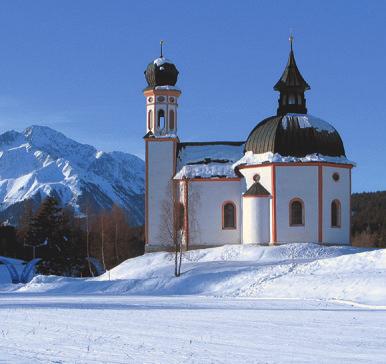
column 229, row 215
column 296, row 212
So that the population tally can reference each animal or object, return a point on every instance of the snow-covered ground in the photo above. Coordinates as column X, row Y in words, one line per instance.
column 234, row 304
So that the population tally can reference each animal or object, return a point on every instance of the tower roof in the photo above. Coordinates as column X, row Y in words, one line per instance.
column 256, row 190
column 161, row 72
column 291, row 77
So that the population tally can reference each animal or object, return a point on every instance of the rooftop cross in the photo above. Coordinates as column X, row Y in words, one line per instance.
column 291, row 39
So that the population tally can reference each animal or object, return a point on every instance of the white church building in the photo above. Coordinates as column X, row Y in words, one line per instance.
column 290, row 181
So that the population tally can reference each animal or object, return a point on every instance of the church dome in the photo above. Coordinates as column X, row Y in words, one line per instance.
column 161, row 72
column 295, row 135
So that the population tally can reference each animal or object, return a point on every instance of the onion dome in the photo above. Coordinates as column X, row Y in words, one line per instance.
column 161, row 72
column 295, row 135
column 293, row 132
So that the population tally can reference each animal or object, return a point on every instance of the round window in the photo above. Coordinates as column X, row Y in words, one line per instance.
column 256, row 177
column 161, row 98
column 171, row 99
column 150, row 99
column 335, row 176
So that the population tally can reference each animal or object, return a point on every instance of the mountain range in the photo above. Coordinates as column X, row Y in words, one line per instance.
column 41, row 162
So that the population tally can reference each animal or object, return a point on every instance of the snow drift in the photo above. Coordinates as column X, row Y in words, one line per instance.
column 301, row 271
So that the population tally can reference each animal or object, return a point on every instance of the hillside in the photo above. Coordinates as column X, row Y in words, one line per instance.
column 301, row 271
column 41, row 161
column 369, row 219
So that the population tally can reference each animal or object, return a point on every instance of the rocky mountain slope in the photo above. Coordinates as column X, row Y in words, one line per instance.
column 41, row 161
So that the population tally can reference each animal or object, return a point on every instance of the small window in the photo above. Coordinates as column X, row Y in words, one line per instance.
column 171, row 120
column 229, row 215
column 291, row 99
column 336, row 177
column 161, row 119
column 150, row 120
column 335, row 214
column 296, row 212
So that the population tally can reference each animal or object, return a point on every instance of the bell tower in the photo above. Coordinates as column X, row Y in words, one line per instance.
column 292, row 87
column 161, row 97
column 161, row 111
column 161, row 146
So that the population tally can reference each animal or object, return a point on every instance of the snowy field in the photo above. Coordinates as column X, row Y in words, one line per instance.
column 236, row 304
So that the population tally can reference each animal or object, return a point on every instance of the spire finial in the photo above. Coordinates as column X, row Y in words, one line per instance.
column 161, row 44
column 291, row 39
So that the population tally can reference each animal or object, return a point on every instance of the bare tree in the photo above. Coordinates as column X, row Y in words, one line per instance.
column 103, row 242
column 178, row 219
column 88, row 244
column 171, row 230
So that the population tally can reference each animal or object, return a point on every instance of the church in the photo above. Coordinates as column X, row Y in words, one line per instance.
column 289, row 181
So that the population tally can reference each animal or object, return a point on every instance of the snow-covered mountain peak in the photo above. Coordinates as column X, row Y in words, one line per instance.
column 41, row 161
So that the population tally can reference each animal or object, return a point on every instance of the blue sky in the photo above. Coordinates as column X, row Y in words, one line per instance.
column 77, row 66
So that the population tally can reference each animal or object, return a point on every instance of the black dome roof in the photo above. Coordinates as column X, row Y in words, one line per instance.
column 161, row 72
column 295, row 135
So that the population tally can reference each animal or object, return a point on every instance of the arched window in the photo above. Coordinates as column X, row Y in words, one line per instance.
column 296, row 212
column 229, row 215
column 161, row 119
column 149, row 120
column 171, row 120
column 335, row 213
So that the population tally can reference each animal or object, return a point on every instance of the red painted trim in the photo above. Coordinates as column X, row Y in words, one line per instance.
column 273, row 182
column 153, row 92
column 320, row 203
column 222, row 215
column 236, row 179
column 174, row 158
column 174, row 192
column 186, row 203
column 146, row 192
column 297, row 164
column 350, row 213
column 267, row 196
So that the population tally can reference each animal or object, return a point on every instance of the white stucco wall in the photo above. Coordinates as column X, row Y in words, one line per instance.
column 265, row 174
column 256, row 221
column 339, row 190
column 297, row 182
column 205, row 212
column 160, row 172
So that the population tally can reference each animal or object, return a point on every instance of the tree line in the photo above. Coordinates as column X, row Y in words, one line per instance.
column 65, row 241
column 368, row 224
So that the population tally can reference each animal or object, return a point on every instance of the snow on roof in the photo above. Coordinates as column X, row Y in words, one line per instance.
column 208, row 159
column 212, row 170
column 167, row 87
column 307, row 121
column 161, row 60
column 269, row 157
